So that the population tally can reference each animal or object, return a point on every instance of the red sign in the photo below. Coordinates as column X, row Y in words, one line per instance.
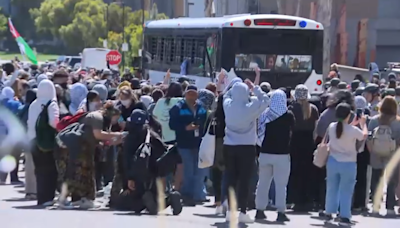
column 114, row 57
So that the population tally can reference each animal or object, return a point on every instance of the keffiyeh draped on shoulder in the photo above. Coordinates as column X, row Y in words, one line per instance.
column 277, row 108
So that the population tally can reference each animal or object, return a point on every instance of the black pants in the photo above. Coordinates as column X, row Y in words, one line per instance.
column 391, row 186
column 46, row 175
column 360, row 190
column 239, row 161
column 319, row 183
column 216, row 175
column 301, row 185
column 13, row 174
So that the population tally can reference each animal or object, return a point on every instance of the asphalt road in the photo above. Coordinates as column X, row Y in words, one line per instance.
column 15, row 212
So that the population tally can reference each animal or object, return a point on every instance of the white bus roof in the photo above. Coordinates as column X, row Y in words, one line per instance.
column 235, row 21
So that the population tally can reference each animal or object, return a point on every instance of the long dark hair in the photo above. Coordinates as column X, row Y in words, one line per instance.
column 342, row 112
column 174, row 90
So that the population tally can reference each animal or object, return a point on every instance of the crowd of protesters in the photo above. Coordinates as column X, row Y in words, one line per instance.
column 92, row 129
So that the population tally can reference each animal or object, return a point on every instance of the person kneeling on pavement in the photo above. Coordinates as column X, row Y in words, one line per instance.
column 142, row 151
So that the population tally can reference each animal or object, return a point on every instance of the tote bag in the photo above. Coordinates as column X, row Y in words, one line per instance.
column 321, row 154
column 207, row 148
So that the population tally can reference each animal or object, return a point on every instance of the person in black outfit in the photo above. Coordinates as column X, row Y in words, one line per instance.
column 302, row 149
column 141, row 168
column 360, row 193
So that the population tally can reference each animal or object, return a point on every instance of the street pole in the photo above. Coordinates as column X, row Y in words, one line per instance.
column 123, row 33
column 142, row 39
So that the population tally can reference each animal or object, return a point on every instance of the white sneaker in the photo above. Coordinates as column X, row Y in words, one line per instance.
column 228, row 216
column 245, row 218
column 219, row 210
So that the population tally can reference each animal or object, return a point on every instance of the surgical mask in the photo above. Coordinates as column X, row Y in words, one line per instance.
column 125, row 102
column 94, row 106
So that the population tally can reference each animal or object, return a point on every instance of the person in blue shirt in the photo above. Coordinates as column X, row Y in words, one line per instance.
column 8, row 101
column 187, row 119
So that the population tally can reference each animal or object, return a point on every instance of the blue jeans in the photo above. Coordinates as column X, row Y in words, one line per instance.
column 193, row 178
column 340, row 182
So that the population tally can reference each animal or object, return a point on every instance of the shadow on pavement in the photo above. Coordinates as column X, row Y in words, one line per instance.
column 326, row 225
column 30, row 207
column 18, row 200
column 226, row 225
column 208, row 215
column 298, row 213
column 267, row 222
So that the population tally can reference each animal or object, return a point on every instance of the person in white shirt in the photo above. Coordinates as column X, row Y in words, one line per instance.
column 45, row 167
column 341, row 168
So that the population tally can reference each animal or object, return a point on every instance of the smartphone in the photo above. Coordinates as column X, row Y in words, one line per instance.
column 360, row 112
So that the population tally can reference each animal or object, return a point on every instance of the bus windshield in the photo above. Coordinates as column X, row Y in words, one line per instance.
column 272, row 50
column 286, row 57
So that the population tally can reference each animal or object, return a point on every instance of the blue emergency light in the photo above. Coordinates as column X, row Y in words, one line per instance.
column 302, row 24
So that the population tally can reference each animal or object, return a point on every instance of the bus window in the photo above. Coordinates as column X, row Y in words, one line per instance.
column 212, row 53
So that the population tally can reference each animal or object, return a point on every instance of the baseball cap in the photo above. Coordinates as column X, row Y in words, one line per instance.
column 192, row 88
column 138, row 117
column 135, row 84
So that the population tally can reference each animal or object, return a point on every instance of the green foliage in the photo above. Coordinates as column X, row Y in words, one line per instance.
column 86, row 23
column 3, row 25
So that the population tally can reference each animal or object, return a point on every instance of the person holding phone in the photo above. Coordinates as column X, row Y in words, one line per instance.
column 187, row 119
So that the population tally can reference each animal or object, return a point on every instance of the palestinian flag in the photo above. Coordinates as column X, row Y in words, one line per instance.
column 23, row 46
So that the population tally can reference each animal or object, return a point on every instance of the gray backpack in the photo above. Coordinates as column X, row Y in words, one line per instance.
column 381, row 143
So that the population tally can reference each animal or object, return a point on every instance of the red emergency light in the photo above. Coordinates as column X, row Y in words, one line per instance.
column 274, row 22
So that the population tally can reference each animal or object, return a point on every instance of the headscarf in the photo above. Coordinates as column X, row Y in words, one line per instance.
column 360, row 102
column 41, row 78
column 7, row 93
column 277, row 108
column 231, row 83
column 207, row 98
column 301, row 92
column 30, row 96
column 102, row 90
column 78, row 94
column 146, row 100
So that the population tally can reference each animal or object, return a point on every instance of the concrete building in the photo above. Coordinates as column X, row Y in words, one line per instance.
column 361, row 31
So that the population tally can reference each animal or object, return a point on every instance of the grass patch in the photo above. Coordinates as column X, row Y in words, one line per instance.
column 40, row 57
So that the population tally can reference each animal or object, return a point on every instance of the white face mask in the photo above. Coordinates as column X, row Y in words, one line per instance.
column 126, row 103
column 93, row 106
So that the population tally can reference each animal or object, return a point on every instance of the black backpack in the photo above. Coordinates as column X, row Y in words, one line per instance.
column 141, row 160
column 45, row 134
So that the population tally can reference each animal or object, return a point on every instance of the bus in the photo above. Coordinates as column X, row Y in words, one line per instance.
column 287, row 49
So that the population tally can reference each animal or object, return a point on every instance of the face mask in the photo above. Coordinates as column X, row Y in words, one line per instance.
column 126, row 102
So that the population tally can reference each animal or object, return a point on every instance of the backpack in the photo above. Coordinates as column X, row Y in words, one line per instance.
column 45, row 134
column 141, row 160
column 68, row 120
column 381, row 142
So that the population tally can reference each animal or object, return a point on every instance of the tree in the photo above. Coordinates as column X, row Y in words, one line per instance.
column 24, row 23
column 3, row 25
